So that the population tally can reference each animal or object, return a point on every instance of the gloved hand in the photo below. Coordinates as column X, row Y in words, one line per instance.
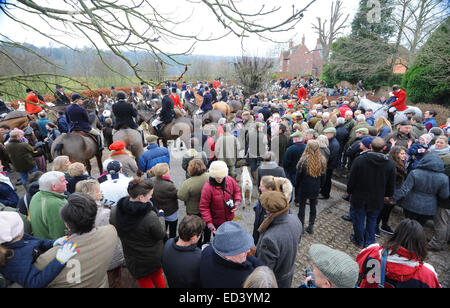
column 61, row 241
column 66, row 252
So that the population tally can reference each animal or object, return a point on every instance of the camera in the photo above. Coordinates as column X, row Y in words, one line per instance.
column 311, row 283
column 230, row 204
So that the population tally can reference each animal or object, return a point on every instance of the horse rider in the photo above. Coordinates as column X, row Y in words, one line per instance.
column 32, row 103
column 396, row 102
column 176, row 99
column 167, row 113
column 113, row 93
column 145, row 91
column 124, row 114
column 61, row 97
column 302, row 93
column 360, row 87
column 189, row 96
column 78, row 119
column 207, row 101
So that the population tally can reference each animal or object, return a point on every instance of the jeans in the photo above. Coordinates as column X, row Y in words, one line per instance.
column 24, row 175
column 364, row 224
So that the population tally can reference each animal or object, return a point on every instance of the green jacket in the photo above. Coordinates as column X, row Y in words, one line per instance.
column 21, row 155
column 191, row 192
column 319, row 127
column 44, row 215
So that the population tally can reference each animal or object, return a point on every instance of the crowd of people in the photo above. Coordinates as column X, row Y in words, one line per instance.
column 129, row 215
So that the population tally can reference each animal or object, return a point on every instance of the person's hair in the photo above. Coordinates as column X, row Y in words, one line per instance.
column 360, row 118
column 382, row 122
column 349, row 112
column 445, row 138
column 372, row 131
column 340, row 121
column 76, row 169
column 378, row 144
column 88, row 187
column 409, row 235
column 432, row 112
column 79, row 213
column 270, row 156
column 417, row 118
column 369, row 110
column 138, row 187
column 108, row 122
column 314, row 160
column 59, row 162
column 261, row 278
column 6, row 254
column 48, row 179
column 323, row 141
column 194, row 142
column 394, row 156
column 196, row 167
column 42, row 114
column 159, row 170
column 190, row 226
column 269, row 182
column 52, row 125
column 283, row 128
column 5, row 126
column 34, row 176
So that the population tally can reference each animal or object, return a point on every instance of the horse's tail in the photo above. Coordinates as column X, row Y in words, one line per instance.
column 57, row 150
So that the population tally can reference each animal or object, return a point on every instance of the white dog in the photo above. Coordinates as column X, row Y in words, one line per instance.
column 246, row 185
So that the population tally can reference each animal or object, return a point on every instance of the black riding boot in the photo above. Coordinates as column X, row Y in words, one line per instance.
column 100, row 147
column 158, row 130
column 142, row 136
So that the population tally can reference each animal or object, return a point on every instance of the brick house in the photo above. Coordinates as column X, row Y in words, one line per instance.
column 299, row 60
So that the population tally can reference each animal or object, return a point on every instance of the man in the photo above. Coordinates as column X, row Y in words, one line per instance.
column 207, row 101
column 257, row 146
column 176, row 99
column 397, row 102
column 226, row 262
column 401, row 137
column 21, row 156
column 33, row 103
column 42, row 122
column 417, row 128
column 355, row 149
column 371, row 179
column 349, row 121
column 181, row 256
column 114, row 184
column 61, row 97
column 213, row 94
column 370, row 119
column 46, row 204
column 332, row 268
column 293, row 155
column 322, row 125
column 224, row 94
column 124, row 113
column 154, row 155
column 189, row 96
column 63, row 126
column 302, row 93
column 430, row 119
column 78, row 120
column 113, row 93
column 280, row 143
column 333, row 161
column 280, row 236
column 167, row 113
column 4, row 132
column 359, row 86
column 360, row 123
column 227, row 149
column 266, row 111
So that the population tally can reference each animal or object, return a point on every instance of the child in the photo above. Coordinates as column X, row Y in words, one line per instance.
column 18, row 252
column 417, row 150
column 108, row 132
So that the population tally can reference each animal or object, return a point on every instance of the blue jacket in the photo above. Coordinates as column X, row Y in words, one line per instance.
column 78, row 119
column 20, row 268
column 207, row 102
column 418, row 151
column 217, row 272
column 384, row 131
column 42, row 123
column 189, row 95
column 63, row 126
column 292, row 156
column 371, row 121
column 334, row 147
column 153, row 156
column 8, row 196
column 432, row 121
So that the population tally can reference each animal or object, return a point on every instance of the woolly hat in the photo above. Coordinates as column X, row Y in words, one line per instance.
column 151, row 138
column 117, row 146
column 330, row 130
column 367, row 141
column 218, row 169
column 11, row 226
column 75, row 96
column 427, row 138
column 231, row 239
column 338, row 267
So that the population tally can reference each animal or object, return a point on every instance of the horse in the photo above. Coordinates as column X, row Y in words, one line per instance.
column 235, row 106
column 132, row 139
column 190, row 108
column 179, row 128
column 317, row 100
column 79, row 147
column 223, row 107
column 382, row 110
column 16, row 119
column 212, row 116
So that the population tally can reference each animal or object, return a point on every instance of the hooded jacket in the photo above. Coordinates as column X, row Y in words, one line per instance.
column 423, row 186
column 372, row 177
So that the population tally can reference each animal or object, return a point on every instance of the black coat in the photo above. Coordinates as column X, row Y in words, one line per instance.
column 167, row 112
column 342, row 135
column 124, row 114
column 306, row 186
column 61, row 98
column 78, row 119
column 333, row 160
column 371, row 178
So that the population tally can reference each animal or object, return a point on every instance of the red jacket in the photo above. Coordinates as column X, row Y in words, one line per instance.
column 401, row 100
column 344, row 109
column 30, row 108
column 302, row 94
column 402, row 269
column 212, row 202
column 176, row 101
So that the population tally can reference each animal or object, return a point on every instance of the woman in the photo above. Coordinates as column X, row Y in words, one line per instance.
column 193, row 154
column 310, row 171
column 137, row 224
column 422, row 187
column 220, row 197
column 8, row 195
column 52, row 133
column 261, row 278
column 383, row 127
column 398, row 156
column 120, row 154
column 92, row 188
column 165, row 196
column 441, row 146
column 323, row 146
column 405, row 253
column 62, row 164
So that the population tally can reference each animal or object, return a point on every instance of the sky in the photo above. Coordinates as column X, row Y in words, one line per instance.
column 199, row 20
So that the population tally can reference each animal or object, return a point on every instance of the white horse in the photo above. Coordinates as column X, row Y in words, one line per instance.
column 382, row 110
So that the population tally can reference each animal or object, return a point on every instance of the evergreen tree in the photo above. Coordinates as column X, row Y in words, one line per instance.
column 374, row 20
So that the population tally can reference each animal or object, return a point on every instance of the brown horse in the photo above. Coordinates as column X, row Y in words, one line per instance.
column 317, row 100
column 132, row 139
column 235, row 106
column 178, row 128
column 16, row 119
column 223, row 107
column 79, row 147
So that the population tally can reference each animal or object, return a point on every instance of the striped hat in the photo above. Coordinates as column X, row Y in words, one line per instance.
column 339, row 268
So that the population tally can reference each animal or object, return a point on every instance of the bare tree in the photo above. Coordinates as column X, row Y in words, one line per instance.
column 253, row 73
column 327, row 36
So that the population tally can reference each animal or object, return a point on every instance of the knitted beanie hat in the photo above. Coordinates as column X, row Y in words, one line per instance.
column 218, row 169
column 231, row 239
column 11, row 226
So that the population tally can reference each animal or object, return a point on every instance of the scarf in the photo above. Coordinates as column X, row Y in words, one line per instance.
column 131, row 213
column 5, row 179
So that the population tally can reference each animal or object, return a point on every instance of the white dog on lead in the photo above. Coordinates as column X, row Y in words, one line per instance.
column 246, row 185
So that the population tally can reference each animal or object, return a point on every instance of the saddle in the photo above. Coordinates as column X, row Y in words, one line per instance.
column 84, row 134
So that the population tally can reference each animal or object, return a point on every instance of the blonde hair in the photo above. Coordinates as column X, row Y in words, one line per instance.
column 315, row 162
column 261, row 277
column 88, row 187
column 159, row 170
column 382, row 122
column 59, row 163
column 76, row 169
column 323, row 141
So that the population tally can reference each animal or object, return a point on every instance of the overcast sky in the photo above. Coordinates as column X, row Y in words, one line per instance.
column 201, row 21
